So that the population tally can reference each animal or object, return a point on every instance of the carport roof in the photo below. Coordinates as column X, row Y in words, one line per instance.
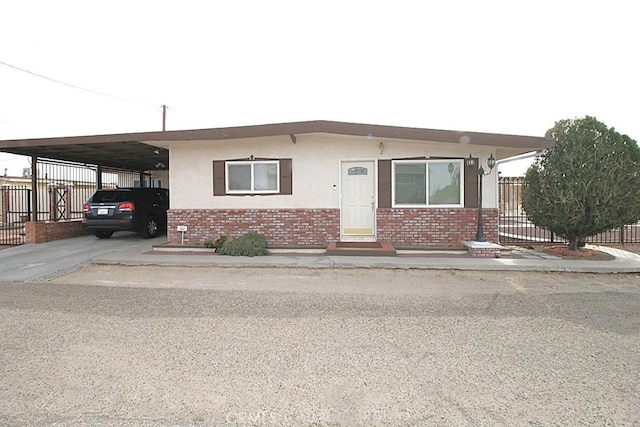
column 139, row 151
column 122, row 151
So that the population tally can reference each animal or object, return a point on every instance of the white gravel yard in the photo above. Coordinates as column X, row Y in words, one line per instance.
column 110, row 345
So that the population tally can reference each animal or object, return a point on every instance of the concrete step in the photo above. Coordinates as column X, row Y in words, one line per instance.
column 361, row 249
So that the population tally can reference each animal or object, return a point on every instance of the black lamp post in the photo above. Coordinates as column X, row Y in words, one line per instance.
column 491, row 162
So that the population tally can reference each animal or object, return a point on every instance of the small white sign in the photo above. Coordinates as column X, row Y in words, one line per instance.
column 182, row 228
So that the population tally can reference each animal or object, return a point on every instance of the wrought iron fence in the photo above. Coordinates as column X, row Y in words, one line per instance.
column 516, row 228
column 62, row 189
column 15, row 210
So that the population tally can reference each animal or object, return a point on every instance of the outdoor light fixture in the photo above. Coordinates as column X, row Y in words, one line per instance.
column 491, row 163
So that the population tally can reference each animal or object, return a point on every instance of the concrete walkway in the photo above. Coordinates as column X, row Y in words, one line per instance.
column 525, row 260
column 41, row 262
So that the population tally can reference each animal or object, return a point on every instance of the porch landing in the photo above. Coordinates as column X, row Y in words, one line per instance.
column 361, row 248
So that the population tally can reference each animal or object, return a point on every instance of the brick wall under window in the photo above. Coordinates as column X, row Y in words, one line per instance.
column 315, row 227
column 281, row 227
column 435, row 227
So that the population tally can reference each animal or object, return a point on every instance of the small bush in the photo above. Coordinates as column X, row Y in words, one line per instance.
column 216, row 244
column 251, row 244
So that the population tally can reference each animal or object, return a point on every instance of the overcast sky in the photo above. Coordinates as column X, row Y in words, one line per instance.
column 492, row 66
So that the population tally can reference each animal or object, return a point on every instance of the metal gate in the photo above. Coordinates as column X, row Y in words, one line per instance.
column 59, row 202
column 15, row 210
column 516, row 228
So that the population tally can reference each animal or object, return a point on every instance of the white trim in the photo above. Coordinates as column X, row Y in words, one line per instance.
column 518, row 157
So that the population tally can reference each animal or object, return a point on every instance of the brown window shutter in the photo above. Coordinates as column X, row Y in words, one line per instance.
column 384, row 183
column 219, row 186
column 286, row 176
column 471, row 185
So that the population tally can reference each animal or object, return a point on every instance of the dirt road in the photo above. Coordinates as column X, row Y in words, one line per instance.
column 163, row 346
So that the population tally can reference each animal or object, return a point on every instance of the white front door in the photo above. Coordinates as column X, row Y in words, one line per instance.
column 358, row 204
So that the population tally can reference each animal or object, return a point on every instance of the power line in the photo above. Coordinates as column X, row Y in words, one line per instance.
column 74, row 86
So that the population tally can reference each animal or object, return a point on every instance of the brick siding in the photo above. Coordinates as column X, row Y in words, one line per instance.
column 484, row 252
column 281, row 227
column 447, row 227
column 315, row 227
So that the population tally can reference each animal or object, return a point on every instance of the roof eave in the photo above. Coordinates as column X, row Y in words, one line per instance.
column 297, row 128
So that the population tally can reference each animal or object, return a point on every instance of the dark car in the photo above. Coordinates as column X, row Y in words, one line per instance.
column 135, row 209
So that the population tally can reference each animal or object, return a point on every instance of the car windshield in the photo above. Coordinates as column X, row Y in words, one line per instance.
column 110, row 196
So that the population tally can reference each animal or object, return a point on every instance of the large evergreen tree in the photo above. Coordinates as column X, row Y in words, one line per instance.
column 588, row 183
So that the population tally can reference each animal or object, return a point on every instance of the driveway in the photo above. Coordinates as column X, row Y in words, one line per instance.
column 39, row 262
column 172, row 346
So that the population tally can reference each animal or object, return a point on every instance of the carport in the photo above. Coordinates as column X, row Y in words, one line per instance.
column 140, row 153
column 36, row 199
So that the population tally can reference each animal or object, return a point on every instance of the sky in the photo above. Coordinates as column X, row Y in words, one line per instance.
column 84, row 68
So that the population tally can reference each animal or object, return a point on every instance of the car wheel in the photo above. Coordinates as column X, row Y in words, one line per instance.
column 150, row 228
column 103, row 234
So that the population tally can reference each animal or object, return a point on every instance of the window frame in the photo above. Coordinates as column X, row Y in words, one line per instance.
column 426, row 162
column 251, row 163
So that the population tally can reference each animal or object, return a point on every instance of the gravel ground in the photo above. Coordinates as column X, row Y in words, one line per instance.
column 168, row 346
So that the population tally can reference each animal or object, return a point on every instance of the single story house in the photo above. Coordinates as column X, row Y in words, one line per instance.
column 313, row 183
column 308, row 184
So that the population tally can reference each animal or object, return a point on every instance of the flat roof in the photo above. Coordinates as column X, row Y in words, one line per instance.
column 135, row 151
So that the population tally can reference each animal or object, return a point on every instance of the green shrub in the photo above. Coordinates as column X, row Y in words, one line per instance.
column 216, row 244
column 586, row 184
column 251, row 244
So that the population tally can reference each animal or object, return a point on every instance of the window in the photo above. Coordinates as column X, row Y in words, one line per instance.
column 252, row 177
column 427, row 183
column 256, row 177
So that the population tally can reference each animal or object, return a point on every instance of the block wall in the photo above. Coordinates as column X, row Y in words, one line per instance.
column 484, row 252
column 46, row 231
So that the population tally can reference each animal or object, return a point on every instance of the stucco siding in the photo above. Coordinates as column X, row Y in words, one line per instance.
column 316, row 168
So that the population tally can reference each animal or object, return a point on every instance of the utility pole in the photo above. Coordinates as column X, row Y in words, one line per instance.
column 164, row 118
